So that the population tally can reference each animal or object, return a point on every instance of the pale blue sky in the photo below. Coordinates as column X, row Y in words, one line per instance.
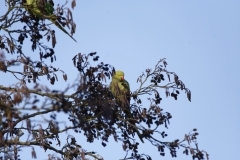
column 201, row 41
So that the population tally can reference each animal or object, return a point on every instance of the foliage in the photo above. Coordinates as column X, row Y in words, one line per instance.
column 91, row 109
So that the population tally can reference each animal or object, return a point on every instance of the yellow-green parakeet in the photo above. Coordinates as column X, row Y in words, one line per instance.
column 44, row 9
column 121, row 91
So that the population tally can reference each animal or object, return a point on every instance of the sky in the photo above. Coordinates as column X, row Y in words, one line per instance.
column 200, row 41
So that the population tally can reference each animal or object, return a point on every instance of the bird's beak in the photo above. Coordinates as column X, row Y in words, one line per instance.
column 122, row 78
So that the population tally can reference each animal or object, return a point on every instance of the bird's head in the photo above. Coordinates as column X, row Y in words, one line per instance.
column 119, row 75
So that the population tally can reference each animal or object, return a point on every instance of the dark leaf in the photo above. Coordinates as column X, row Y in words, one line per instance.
column 73, row 4
column 189, row 95
column 65, row 77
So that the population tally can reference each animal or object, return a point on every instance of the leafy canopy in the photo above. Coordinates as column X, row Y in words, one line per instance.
column 91, row 107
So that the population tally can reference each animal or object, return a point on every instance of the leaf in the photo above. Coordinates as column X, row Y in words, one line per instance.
column 29, row 126
column 124, row 147
column 169, row 78
column 65, row 77
column 115, row 138
column 45, row 70
column 165, row 122
column 156, row 94
column 17, row 98
column 25, row 68
column 207, row 155
column 186, row 151
column 34, row 155
column 74, row 60
column 177, row 91
column 41, row 55
column 69, row 16
column 149, row 158
column 189, row 95
column 191, row 151
column 73, row 29
column 164, row 63
column 31, row 69
column 54, row 41
column 104, row 144
column 103, row 76
column 73, row 4
column 10, row 45
column 176, row 79
column 167, row 93
column 52, row 80
column 55, row 76
column 3, row 67
column 187, row 139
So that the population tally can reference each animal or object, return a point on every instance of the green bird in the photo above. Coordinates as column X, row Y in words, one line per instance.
column 121, row 91
column 44, row 9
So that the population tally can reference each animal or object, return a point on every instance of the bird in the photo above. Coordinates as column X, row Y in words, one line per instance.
column 44, row 9
column 120, row 89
